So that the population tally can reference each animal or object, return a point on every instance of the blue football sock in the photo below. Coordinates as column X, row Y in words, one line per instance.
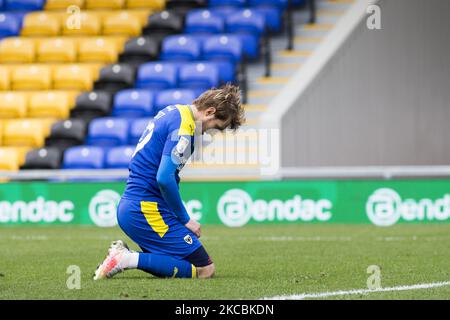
column 166, row 266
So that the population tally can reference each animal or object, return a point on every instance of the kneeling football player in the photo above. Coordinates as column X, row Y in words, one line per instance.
column 151, row 211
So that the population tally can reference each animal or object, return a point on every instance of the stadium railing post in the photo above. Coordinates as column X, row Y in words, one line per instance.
column 290, row 26
column 312, row 11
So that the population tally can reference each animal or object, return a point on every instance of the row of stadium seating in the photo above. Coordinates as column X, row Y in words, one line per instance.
column 33, row 5
column 130, row 103
column 182, row 52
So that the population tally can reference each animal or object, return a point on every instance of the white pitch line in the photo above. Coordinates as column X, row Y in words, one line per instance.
column 359, row 291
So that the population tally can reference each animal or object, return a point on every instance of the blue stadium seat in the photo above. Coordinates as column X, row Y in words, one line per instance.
column 9, row 25
column 280, row 4
column 199, row 75
column 246, row 21
column 223, row 11
column 224, row 48
column 119, row 157
column 180, row 48
column 83, row 157
column 228, row 3
column 157, row 75
column 174, row 96
column 133, row 103
column 137, row 127
column 107, row 132
column 272, row 15
column 204, row 21
column 226, row 69
column 29, row 5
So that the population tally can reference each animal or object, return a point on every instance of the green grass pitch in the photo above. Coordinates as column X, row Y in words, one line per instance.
column 252, row 262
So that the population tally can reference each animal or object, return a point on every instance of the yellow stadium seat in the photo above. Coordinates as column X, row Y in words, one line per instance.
column 25, row 132
column 122, row 23
column 13, row 104
column 90, row 25
column 97, row 50
column 41, row 24
column 1, row 132
column 9, row 159
column 151, row 4
column 31, row 77
column 4, row 78
column 50, row 104
column 16, row 50
column 63, row 4
column 73, row 77
column 57, row 50
column 105, row 4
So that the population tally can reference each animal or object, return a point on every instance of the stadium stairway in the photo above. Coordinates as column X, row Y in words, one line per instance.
column 244, row 147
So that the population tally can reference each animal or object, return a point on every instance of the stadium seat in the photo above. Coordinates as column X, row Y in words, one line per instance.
column 122, row 23
column 199, row 76
column 13, row 104
column 180, row 48
column 9, row 25
column 67, row 133
column 246, row 21
column 92, row 104
column 104, row 4
column 133, row 103
column 137, row 127
column 17, row 50
column 73, row 77
column 107, row 132
column 43, row 158
column 116, row 77
column 25, row 132
column 31, row 77
column 157, row 75
column 185, row 5
column 139, row 50
column 204, row 21
column 174, row 96
column 222, row 47
column 4, row 78
column 119, row 157
column 272, row 17
column 40, row 24
column 25, row 5
column 162, row 24
column 63, row 4
column 9, row 159
column 228, row 3
column 54, row 104
column 97, row 50
column 141, row 4
column 56, row 50
column 90, row 25
column 279, row 4
column 83, row 157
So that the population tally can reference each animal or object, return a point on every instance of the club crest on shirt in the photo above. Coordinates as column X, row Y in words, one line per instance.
column 188, row 239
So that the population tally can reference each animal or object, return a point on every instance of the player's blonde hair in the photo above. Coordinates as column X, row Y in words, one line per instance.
column 227, row 102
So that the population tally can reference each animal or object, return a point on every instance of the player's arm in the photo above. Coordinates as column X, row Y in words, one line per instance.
column 167, row 181
column 166, row 178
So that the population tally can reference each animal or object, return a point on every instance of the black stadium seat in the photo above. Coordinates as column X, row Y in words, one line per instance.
column 92, row 104
column 67, row 133
column 43, row 158
column 139, row 50
column 116, row 77
column 164, row 23
column 186, row 4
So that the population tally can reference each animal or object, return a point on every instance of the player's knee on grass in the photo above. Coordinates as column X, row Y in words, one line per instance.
column 206, row 272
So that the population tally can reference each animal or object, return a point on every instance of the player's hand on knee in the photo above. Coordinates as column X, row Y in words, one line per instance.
column 194, row 226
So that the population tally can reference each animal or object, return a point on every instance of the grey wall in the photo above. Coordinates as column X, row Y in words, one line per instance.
column 384, row 99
